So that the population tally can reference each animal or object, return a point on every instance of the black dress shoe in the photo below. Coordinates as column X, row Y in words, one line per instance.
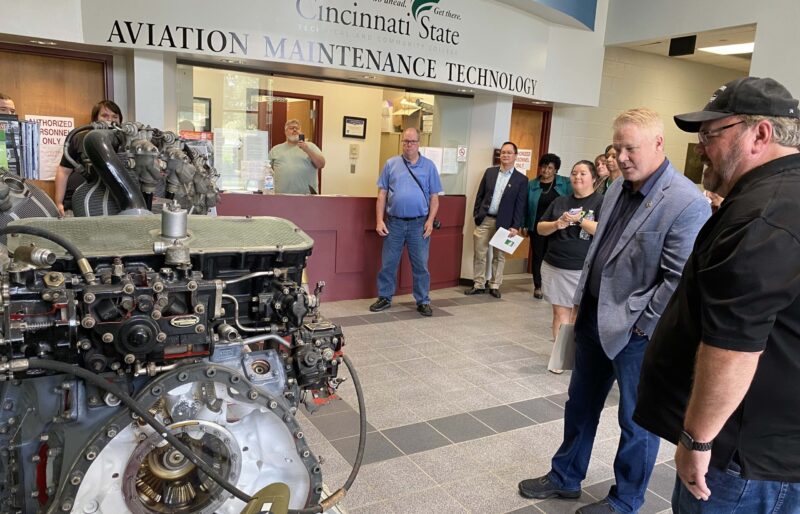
column 425, row 309
column 474, row 290
column 601, row 507
column 541, row 488
column 381, row 304
column 495, row 293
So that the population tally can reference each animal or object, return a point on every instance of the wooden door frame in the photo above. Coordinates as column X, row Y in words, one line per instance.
column 544, row 137
column 106, row 60
column 544, row 147
column 300, row 96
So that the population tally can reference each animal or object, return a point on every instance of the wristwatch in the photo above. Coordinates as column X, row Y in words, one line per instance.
column 690, row 444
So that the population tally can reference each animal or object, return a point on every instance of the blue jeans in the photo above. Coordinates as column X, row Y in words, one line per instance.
column 592, row 378
column 408, row 233
column 732, row 494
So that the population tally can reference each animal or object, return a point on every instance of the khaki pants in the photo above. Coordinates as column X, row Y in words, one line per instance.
column 481, row 236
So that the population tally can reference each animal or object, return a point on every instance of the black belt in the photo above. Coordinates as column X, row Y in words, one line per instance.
column 409, row 219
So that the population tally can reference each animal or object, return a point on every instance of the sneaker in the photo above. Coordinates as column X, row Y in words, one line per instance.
column 381, row 304
column 474, row 290
column 537, row 293
column 556, row 371
column 425, row 309
column 541, row 488
column 495, row 293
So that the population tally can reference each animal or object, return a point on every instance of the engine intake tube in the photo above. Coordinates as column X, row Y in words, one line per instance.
column 98, row 146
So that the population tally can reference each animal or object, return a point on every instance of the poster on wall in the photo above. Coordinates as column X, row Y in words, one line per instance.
column 52, row 132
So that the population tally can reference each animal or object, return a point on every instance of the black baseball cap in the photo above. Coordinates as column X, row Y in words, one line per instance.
column 747, row 95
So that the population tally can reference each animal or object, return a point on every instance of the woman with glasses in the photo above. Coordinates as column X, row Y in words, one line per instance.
column 568, row 224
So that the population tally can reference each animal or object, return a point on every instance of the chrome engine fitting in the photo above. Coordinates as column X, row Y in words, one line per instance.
column 126, row 164
column 204, row 324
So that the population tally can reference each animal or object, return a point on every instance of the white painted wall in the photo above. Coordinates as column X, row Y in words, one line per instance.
column 491, row 122
column 43, row 19
column 777, row 34
column 636, row 79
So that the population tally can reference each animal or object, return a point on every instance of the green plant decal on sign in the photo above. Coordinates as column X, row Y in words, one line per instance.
column 420, row 6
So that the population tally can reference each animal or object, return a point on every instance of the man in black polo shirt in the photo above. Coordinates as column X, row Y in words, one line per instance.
column 720, row 376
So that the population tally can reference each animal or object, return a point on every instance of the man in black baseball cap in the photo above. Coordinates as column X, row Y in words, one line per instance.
column 719, row 377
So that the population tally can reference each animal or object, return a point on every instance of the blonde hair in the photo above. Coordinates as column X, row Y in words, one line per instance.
column 641, row 117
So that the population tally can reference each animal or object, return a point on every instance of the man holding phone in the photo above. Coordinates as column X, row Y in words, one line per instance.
column 295, row 162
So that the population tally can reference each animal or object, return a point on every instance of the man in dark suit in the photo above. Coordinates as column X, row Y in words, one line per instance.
column 500, row 203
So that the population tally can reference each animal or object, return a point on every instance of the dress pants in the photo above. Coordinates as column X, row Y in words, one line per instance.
column 592, row 378
column 405, row 233
column 481, row 236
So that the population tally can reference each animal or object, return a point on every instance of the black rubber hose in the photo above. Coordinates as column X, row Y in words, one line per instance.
column 98, row 147
column 100, row 382
column 336, row 497
column 68, row 140
column 69, row 246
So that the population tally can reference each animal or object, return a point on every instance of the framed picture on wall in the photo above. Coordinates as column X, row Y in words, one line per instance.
column 202, row 113
column 694, row 166
column 354, row 127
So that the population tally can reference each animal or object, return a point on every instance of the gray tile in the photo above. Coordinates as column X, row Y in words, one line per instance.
column 461, row 427
column 349, row 321
column 474, row 300
column 448, row 463
column 540, row 410
column 662, row 481
column 565, row 506
column 559, row 399
column 378, row 448
column 430, row 500
column 339, row 425
column 530, row 509
column 502, row 418
column 485, row 493
column 652, row 502
column 380, row 317
column 334, row 406
column 415, row 438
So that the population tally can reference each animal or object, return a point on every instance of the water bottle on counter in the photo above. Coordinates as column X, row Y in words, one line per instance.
column 268, row 185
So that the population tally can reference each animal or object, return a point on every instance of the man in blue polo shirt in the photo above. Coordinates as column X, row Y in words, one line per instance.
column 408, row 199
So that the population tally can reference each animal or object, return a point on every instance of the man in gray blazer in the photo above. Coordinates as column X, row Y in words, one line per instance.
column 646, row 229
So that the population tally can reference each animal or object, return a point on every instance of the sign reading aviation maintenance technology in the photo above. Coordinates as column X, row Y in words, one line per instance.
column 470, row 43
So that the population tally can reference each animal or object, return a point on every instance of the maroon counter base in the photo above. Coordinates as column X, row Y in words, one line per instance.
column 347, row 251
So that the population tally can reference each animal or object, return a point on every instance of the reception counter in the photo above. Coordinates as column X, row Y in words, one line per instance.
column 347, row 250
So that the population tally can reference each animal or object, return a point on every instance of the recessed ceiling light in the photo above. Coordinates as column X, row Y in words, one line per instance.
column 741, row 48
column 232, row 61
column 538, row 102
column 462, row 90
column 43, row 43
column 368, row 77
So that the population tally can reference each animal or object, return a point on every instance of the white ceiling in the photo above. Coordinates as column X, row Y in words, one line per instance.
column 727, row 36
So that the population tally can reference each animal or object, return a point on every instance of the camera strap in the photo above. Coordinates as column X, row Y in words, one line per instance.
column 427, row 198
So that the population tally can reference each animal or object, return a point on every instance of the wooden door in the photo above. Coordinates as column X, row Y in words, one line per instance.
column 530, row 131
column 55, row 82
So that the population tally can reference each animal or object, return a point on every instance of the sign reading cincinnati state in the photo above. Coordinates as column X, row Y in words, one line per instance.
column 471, row 43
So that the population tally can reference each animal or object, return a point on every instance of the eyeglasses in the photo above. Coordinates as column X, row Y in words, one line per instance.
column 508, row 153
column 410, row 142
column 706, row 135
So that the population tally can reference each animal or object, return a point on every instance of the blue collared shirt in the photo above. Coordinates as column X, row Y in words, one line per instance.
column 404, row 198
column 502, row 181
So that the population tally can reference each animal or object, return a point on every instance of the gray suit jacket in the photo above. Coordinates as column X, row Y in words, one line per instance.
column 646, row 264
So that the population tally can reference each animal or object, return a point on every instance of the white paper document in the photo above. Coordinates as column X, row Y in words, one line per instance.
column 502, row 240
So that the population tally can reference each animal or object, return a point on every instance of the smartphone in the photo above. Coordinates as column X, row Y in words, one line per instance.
column 302, row 137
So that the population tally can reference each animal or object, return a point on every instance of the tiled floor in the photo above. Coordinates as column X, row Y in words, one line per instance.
column 460, row 409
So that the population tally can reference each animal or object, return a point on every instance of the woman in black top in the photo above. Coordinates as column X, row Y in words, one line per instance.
column 569, row 223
